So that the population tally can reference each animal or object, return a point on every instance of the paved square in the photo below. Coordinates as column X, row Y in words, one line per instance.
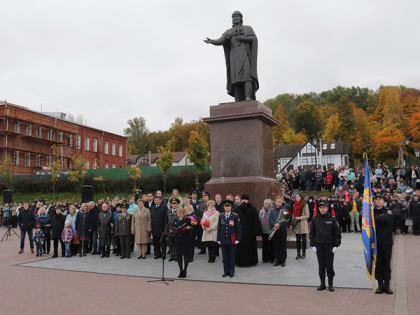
column 348, row 265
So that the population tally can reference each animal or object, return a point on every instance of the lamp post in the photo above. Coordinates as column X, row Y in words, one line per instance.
column 315, row 140
column 407, row 142
column 417, row 152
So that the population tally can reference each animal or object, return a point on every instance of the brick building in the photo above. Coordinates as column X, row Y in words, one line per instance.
column 26, row 136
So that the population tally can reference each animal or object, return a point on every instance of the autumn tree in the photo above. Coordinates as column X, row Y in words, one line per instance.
column 165, row 161
column 283, row 125
column 78, row 172
column 289, row 136
column 332, row 129
column 307, row 118
column 134, row 172
column 414, row 130
column 197, row 154
column 346, row 119
column 301, row 137
column 6, row 173
column 55, row 166
column 387, row 141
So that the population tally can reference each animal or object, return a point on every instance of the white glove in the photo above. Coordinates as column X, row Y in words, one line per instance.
column 314, row 249
column 236, row 242
column 219, row 242
column 334, row 249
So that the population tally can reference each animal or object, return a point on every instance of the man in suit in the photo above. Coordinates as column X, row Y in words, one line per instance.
column 159, row 218
column 228, row 236
column 149, row 203
column 123, row 230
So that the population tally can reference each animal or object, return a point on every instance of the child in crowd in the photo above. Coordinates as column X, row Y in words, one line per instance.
column 67, row 236
column 38, row 239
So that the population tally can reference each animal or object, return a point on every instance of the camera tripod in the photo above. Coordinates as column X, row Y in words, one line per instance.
column 10, row 231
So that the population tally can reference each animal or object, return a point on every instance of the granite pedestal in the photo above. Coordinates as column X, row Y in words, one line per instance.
column 242, row 151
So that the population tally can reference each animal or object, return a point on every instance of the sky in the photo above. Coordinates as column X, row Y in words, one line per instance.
column 111, row 61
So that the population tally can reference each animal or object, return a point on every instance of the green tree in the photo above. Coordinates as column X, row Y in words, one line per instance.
column 308, row 120
column 134, row 172
column 5, row 172
column 197, row 154
column 137, row 134
column 165, row 161
column 346, row 118
column 78, row 173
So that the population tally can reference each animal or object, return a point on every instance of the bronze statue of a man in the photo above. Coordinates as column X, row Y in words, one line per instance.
column 240, row 45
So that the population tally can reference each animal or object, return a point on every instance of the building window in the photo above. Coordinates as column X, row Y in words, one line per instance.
column 120, row 150
column 15, row 157
column 38, row 132
column 95, row 164
column 332, row 146
column 106, row 148
column 325, row 146
column 60, row 136
column 70, row 140
column 16, row 126
column 29, row 130
column 50, row 134
column 95, row 145
column 38, row 160
column 113, row 165
column 49, row 159
column 113, row 149
column 27, row 159
column 87, row 144
column 87, row 165
column 78, row 140
column 106, row 165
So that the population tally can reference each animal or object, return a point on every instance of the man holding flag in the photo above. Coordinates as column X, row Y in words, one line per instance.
column 377, row 240
column 384, row 224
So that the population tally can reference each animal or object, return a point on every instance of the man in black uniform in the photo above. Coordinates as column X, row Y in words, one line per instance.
column 325, row 238
column 384, row 225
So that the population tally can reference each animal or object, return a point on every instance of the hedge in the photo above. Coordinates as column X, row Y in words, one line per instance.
column 183, row 181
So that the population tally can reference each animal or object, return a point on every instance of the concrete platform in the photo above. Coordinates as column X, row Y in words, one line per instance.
column 349, row 268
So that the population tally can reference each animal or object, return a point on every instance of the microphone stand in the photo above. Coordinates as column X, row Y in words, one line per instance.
column 9, row 230
column 162, row 243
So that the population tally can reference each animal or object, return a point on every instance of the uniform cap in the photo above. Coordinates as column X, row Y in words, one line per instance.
column 323, row 204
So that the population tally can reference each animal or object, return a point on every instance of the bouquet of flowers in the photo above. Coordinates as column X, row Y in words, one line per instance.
column 205, row 223
column 283, row 217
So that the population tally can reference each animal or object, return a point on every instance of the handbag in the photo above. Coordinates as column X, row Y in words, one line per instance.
column 76, row 239
column 408, row 222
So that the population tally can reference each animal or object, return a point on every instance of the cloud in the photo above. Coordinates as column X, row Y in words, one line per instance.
column 114, row 60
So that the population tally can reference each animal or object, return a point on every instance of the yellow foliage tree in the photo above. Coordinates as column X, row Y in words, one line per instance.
column 387, row 141
column 289, row 136
column 414, row 130
column 280, row 129
column 301, row 137
column 332, row 129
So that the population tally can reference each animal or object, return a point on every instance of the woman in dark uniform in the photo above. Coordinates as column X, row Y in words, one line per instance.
column 182, row 229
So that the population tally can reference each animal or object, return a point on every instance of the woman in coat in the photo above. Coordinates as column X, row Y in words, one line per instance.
column 301, row 214
column 83, row 228
column 45, row 222
column 209, row 223
column 182, row 229
column 141, row 227
column 57, row 227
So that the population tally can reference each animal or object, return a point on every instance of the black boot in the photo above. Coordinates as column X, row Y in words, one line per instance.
column 186, row 262
column 181, row 272
column 380, row 288
column 322, row 285
column 298, row 256
column 330, row 284
column 303, row 253
column 387, row 289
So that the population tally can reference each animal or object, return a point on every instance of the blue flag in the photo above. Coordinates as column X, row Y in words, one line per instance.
column 368, row 226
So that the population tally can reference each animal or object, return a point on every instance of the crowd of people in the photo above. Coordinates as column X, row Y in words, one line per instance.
column 176, row 226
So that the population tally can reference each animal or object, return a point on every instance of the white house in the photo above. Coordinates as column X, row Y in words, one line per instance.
column 306, row 155
column 180, row 159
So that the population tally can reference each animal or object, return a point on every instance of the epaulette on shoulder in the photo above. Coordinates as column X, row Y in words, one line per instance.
column 234, row 213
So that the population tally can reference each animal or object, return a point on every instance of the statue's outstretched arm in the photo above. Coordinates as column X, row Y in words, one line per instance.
column 216, row 42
